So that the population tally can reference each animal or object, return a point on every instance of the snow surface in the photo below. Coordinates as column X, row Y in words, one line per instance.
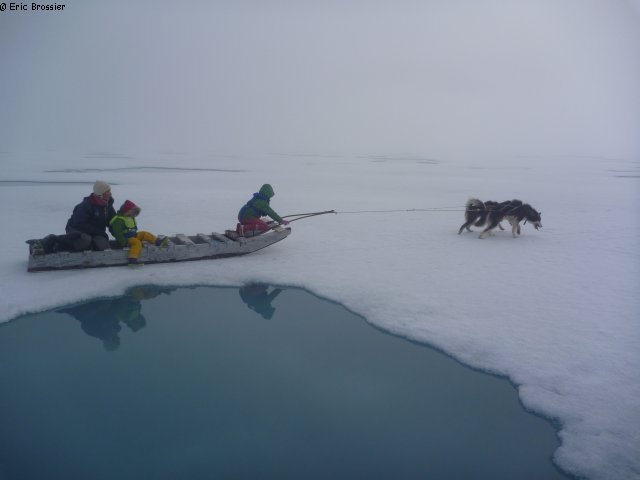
column 555, row 310
column 360, row 105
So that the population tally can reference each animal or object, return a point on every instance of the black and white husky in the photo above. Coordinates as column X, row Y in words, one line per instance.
column 489, row 214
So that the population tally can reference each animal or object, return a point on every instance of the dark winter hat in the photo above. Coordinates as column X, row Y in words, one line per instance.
column 128, row 206
column 100, row 188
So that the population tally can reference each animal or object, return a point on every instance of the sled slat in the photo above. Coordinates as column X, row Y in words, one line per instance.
column 184, row 240
column 220, row 238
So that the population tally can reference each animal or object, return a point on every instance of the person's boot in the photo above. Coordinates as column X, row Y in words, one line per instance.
column 162, row 241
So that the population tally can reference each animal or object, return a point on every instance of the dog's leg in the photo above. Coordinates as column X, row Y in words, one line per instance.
column 492, row 222
column 465, row 225
column 515, row 225
column 487, row 230
column 470, row 217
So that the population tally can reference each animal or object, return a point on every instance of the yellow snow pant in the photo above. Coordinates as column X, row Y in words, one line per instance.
column 135, row 243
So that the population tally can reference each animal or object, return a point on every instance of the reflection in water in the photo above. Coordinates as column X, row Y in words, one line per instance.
column 102, row 318
column 257, row 298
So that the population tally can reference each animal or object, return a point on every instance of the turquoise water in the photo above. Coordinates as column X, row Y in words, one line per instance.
column 256, row 383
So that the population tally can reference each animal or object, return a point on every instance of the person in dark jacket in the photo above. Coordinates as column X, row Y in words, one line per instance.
column 249, row 215
column 91, row 217
column 103, row 318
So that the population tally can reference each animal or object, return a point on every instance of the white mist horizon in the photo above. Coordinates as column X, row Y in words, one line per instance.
column 431, row 78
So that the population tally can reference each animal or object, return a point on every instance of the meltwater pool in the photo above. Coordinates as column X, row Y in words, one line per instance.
column 252, row 383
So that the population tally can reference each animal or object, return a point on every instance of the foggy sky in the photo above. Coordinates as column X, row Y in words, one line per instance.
column 439, row 77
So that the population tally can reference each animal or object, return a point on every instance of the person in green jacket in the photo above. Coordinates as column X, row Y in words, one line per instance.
column 249, row 215
column 124, row 229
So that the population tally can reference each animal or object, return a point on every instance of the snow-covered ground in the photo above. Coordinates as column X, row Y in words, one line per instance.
column 555, row 310
column 187, row 108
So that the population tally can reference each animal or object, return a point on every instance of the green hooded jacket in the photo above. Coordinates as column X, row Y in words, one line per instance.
column 259, row 206
column 123, row 228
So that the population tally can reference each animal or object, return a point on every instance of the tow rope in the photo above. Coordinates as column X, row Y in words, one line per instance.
column 300, row 216
column 434, row 209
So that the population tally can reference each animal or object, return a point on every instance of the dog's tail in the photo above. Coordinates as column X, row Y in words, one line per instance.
column 474, row 204
column 475, row 212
